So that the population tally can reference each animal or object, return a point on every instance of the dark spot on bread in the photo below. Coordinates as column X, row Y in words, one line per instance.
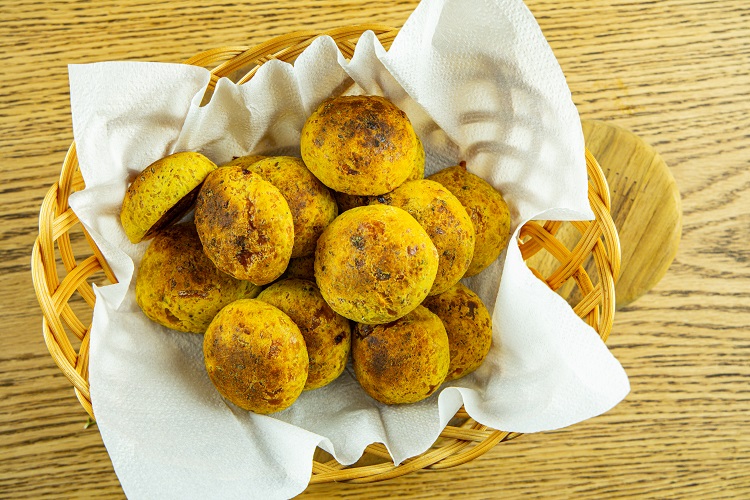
column 381, row 275
column 357, row 241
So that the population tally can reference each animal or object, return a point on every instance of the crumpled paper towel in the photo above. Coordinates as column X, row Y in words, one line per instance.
column 480, row 83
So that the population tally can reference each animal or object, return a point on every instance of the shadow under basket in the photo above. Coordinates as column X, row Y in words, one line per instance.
column 66, row 262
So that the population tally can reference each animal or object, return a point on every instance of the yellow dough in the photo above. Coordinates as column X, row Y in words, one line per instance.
column 348, row 201
column 244, row 161
column 488, row 212
column 162, row 193
column 446, row 222
column 417, row 171
column 301, row 268
column 327, row 335
column 310, row 202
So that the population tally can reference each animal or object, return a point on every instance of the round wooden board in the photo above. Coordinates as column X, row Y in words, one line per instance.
column 646, row 210
column 646, row 206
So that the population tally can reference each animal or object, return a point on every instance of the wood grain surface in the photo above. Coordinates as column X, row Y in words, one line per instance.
column 676, row 72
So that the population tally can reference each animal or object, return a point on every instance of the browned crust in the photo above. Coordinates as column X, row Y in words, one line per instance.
column 488, row 212
column 310, row 202
column 179, row 287
column 468, row 325
column 361, row 145
column 374, row 264
column 244, row 224
column 327, row 334
column 255, row 356
column 446, row 222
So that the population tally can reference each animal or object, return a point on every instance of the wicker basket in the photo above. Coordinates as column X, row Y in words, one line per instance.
column 65, row 260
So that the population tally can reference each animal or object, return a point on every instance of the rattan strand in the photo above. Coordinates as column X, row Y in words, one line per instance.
column 460, row 442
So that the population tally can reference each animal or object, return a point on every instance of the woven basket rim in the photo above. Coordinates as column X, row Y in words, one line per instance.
column 458, row 443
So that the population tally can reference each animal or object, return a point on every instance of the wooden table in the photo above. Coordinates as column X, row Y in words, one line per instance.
column 675, row 72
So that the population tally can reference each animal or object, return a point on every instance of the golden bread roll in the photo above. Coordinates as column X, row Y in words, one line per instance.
column 361, row 145
column 446, row 222
column 310, row 202
column 255, row 356
column 488, row 212
column 327, row 335
column 468, row 325
column 179, row 287
column 404, row 361
column 163, row 193
column 245, row 225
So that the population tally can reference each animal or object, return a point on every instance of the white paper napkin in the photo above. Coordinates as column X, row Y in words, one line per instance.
column 480, row 84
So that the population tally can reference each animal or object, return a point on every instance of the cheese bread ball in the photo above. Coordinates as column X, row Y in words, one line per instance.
column 327, row 335
column 446, row 222
column 162, row 193
column 179, row 287
column 375, row 264
column 468, row 325
column 487, row 209
column 255, row 356
column 404, row 361
column 244, row 224
column 310, row 202
column 361, row 145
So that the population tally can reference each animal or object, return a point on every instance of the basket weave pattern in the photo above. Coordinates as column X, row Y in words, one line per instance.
column 58, row 273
